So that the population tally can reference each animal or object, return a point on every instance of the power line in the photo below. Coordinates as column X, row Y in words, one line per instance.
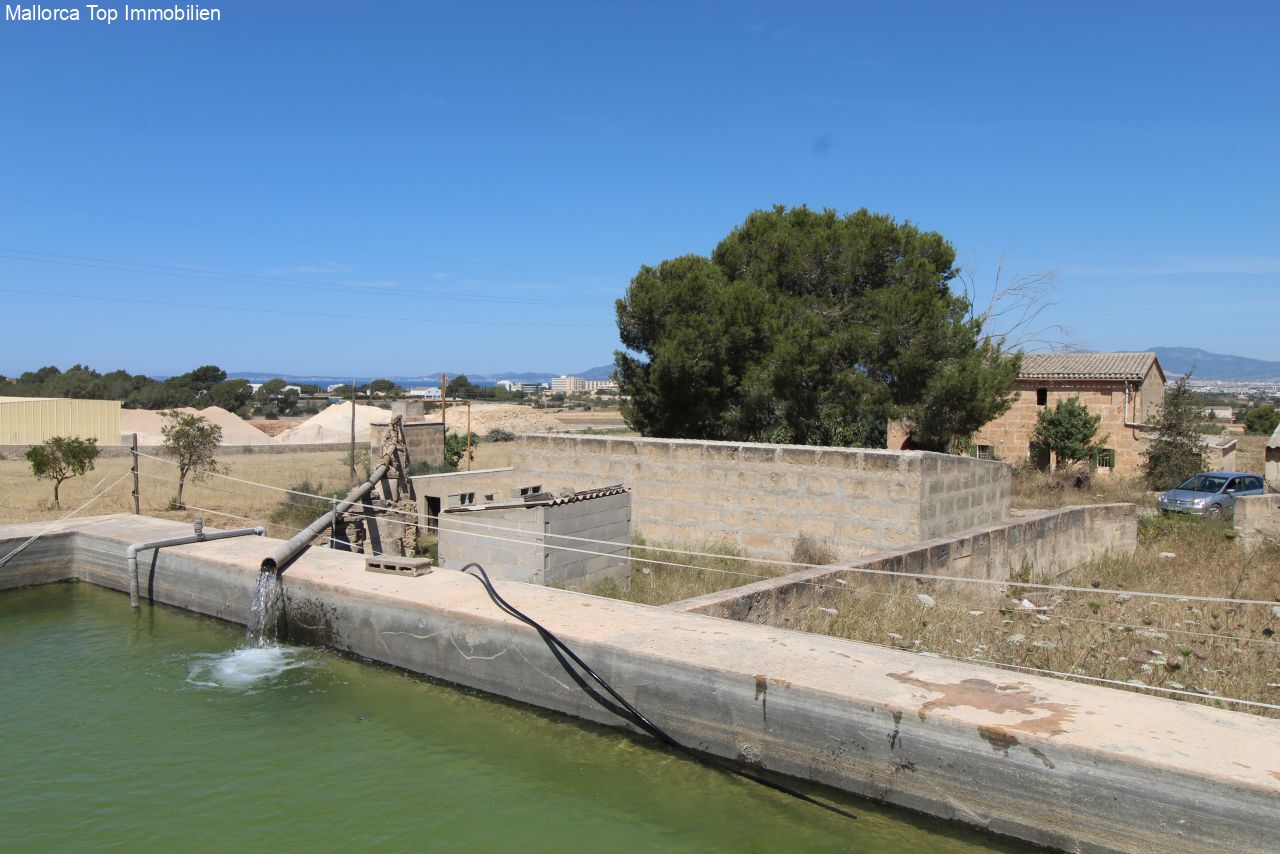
column 263, row 280
column 1180, row 597
column 1204, row 696
column 298, row 240
column 296, row 313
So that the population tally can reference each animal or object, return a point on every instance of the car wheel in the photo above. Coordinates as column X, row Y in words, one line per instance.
column 1214, row 512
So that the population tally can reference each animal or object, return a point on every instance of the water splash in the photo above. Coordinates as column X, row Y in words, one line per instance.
column 247, row 667
column 268, row 608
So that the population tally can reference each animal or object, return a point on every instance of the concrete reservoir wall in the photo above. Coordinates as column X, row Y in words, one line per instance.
column 1073, row 766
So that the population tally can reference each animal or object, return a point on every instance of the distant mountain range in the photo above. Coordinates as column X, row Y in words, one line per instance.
column 1176, row 361
column 431, row 378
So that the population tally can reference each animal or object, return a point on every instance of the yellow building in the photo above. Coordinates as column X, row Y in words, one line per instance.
column 32, row 420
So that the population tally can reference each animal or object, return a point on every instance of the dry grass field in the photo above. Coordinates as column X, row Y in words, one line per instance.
column 24, row 499
column 1201, row 648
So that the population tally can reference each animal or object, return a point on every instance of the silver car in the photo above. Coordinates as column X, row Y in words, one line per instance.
column 1210, row 494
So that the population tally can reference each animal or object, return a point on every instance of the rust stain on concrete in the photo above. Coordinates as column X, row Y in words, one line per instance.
column 996, row 698
column 999, row 739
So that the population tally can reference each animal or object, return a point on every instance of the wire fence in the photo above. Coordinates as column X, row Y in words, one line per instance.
column 835, row 589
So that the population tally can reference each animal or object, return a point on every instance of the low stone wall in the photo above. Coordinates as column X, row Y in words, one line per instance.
column 1257, row 515
column 1061, row 764
column 760, row 498
column 15, row 452
column 1040, row 545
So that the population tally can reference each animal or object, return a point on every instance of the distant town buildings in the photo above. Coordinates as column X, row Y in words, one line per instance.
column 425, row 392
column 577, row 385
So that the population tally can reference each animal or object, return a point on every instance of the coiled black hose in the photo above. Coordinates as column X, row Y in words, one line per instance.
column 618, row 705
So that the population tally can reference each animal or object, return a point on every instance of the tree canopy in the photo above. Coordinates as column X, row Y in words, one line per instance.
column 1262, row 419
column 809, row 328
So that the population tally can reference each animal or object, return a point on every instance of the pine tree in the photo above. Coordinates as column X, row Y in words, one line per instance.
column 1177, row 451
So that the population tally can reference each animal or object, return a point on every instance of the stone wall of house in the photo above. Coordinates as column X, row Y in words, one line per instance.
column 759, row 498
column 1009, row 436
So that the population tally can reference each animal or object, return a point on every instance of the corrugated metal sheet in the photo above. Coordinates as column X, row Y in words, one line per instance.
column 32, row 420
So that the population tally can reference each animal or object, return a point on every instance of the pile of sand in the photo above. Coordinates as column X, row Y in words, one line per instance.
column 486, row 417
column 235, row 430
column 334, row 425
column 148, row 425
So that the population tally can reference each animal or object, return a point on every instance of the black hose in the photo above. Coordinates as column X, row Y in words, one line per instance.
column 619, row 705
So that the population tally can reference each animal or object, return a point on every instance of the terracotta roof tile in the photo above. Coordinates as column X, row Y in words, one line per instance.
column 1085, row 366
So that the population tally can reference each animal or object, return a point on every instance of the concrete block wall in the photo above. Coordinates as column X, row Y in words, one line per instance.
column 759, row 498
column 521, row 543
column 1046, row 544
column 1257, row 515
column 424, row 438
column 436, row 488
column 517, row 553
column 607, row 518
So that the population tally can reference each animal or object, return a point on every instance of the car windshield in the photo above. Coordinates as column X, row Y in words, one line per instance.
column 1203, row 483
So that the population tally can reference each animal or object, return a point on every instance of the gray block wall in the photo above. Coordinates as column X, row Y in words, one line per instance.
column 759, row 498
column 540, row 544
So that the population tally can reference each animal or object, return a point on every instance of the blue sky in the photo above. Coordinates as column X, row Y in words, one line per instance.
column 256, row 193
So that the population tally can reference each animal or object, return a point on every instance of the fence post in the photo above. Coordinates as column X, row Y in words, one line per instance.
column 137, row 498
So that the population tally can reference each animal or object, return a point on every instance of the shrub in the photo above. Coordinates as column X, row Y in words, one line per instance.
column 500, row 435
column 812, row 551
column 299, row 511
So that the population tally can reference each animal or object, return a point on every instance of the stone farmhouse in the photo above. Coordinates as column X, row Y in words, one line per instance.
column 1126, row 389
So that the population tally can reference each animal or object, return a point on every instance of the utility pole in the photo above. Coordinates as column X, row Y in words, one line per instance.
column 137, row 499
column 354, row 479
column 468, row 435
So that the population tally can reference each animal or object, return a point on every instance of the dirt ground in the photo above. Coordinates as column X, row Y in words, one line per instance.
column 277, row 426
column 599, row 419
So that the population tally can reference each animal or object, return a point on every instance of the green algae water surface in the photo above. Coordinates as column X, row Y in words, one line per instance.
column 160, row 731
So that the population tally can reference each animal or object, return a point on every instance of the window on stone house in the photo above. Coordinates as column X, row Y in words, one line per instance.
column 1105, row 458
column 983, row 452
column 1042, row 397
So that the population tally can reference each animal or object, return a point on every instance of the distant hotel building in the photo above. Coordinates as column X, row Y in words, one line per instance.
column 577, row 385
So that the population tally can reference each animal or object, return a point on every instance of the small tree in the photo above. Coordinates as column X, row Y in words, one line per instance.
column 192, row 441
column 1068, row 431
column 60, row 458
column 1177, row 451
column 1262, row 419
column 455, row 448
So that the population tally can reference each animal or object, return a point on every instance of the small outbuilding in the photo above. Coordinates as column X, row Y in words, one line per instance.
column 567, row 540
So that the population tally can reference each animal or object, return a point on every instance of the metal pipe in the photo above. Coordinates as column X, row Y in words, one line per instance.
column 131, row 553
column 282, row 556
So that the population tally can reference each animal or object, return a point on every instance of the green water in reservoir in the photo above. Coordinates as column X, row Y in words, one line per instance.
column 158, row 731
